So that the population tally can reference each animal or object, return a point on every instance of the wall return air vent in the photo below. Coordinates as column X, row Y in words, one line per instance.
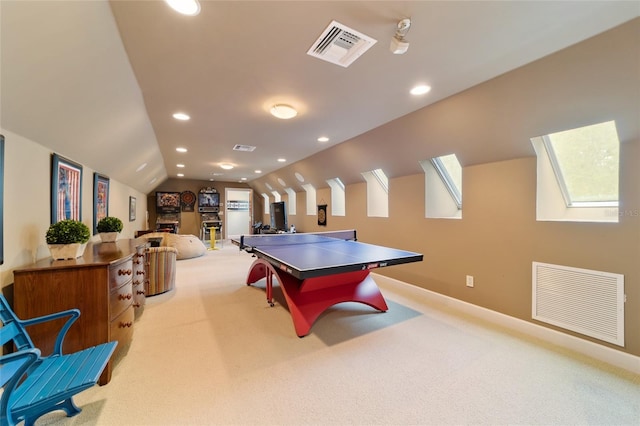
column 340, row 45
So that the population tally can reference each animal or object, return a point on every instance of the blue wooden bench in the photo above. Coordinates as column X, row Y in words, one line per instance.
column 34, row 385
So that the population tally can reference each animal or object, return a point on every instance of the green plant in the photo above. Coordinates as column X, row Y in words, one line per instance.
column 109, row 224
column 68, row 231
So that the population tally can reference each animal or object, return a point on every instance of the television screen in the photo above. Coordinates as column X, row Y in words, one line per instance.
column 278, row 216
column 167, row 202
column 208, row 202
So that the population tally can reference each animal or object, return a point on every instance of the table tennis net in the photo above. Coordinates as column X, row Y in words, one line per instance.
column 264, row 240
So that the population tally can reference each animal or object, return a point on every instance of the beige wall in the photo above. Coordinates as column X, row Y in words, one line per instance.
column 27, row 206
column 498, row 237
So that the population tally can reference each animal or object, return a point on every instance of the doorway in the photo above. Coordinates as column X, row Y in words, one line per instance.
column 238, row 211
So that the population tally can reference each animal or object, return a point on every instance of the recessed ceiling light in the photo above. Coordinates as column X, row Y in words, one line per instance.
column 141, row 166
column 323, row 139
column 281, row 182
column 420, row 90
column 226, row 166
column 299, row 177
column 243, row 179
column 180, row 149
column 258, row 171
column 282, row 160
column 283, row 111
column 181, row 116
column 180, row 174
column 153, row 180
column 180, row 165
column 185, row 7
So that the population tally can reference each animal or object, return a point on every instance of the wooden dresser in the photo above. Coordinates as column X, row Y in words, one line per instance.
column 100, row 284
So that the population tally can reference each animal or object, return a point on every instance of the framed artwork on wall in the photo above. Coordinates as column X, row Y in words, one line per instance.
column 1, row 199
column 167, row 202
column 132, row 209
column 100, row 199
column 66, row 189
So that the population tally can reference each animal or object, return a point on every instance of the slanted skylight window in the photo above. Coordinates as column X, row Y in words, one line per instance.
column 450, row 171
column 377, row 193
column 577, row 174
column 311, row 198
column 337, row 197
column 585, row 162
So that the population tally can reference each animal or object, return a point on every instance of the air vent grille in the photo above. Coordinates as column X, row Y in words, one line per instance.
column 245, row 148
column 340, row 45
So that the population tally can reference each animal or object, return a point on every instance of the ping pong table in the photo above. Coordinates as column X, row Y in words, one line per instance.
column 318, row 270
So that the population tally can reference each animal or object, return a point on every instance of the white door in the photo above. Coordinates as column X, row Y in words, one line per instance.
column 237, row 211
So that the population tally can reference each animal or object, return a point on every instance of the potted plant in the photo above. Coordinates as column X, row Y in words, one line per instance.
column 109, row 227
column 67, row 239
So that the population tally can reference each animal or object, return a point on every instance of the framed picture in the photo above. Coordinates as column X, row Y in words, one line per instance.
column 100, row 199
column 167, row 202
column 66, row 189
column 132, row 209
column 1, row 198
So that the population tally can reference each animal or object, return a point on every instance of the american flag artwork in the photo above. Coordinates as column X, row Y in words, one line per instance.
column 68, row 200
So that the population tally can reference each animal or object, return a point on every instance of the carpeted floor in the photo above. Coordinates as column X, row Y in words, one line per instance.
column 212, row 352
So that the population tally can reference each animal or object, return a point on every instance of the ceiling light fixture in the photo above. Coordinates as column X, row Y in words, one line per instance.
column 398, row 43
column 185, row 7
column 180, row 149
column 282, row 160
column 283, row 111
column 420, row 90
column 181, row 116
column 258, row 171
column 141, row 166
column 226, row 166
column 180, row 174
column 180, row 165
column 323, row 139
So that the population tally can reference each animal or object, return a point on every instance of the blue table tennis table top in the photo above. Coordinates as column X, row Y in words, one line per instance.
column 316, row 254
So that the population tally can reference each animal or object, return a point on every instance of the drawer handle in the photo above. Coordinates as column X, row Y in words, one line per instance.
column 125, row 296
column 140, row 272
column 124, row 271
column 125, row 324
column 136, row 305
column 140, row 292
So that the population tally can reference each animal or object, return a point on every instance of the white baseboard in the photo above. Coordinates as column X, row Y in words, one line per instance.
column 585, row 347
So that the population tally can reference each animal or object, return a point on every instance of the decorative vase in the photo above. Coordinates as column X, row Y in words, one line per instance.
column 67, row 251
column 108, row 237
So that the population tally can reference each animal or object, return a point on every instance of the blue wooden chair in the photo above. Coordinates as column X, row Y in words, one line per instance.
column 34, row 385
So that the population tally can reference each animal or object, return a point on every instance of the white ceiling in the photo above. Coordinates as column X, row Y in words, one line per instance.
column 102, row 90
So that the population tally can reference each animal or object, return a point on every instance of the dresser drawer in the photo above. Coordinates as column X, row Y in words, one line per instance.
column 120, row 274
column 120, row 300
column 122, row 328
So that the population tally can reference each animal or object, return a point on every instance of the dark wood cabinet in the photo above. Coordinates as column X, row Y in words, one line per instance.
column 101, row 284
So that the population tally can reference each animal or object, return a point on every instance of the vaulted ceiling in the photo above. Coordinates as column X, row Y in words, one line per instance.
column 99, row 81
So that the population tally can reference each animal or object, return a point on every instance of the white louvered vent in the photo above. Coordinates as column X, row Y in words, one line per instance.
column 581, row 300
column 340, row 45
column 245, row 148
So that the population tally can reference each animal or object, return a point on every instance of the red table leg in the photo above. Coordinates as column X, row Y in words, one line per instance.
column 308, row 298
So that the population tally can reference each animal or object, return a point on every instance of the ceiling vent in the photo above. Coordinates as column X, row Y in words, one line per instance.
column 340, row 45
column 245, row 148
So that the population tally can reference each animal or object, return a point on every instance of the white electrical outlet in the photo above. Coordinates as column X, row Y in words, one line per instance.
column 469, row 281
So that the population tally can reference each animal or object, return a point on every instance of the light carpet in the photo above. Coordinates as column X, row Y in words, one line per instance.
column 212, row 352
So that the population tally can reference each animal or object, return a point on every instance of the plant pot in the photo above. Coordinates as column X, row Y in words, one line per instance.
column 108, row 237
column 67, row 251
